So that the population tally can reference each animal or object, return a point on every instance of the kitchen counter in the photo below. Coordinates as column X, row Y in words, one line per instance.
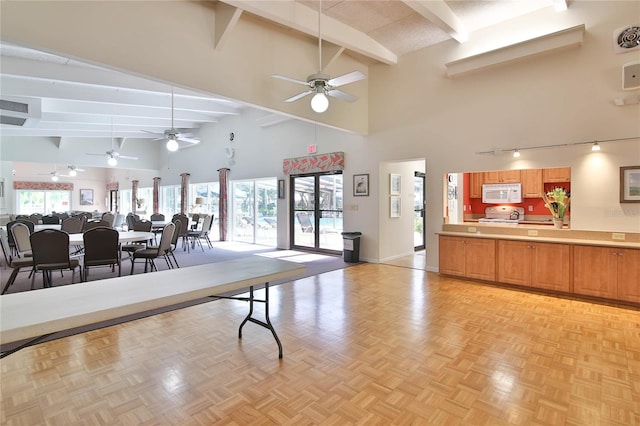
column 545, row 233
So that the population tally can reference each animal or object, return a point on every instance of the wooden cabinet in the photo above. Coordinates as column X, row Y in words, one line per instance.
column 468, row 257
column 502, row 176
column 532, row 186
column 558, row 174
column 535, row 264
column 475, row 184
column 607, row 272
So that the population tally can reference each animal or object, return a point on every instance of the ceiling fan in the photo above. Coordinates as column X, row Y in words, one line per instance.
column 112, row 154
column 322, row 85
column 173, row 135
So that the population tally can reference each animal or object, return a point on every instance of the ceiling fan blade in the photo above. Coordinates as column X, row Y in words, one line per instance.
column 101, row 155
column 185, row 139
column 351, row 77
column 292, row 80
column 127, row 157
column 299, row 96
column 342, row 95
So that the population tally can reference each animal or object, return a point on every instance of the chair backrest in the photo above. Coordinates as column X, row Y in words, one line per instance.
column 157, row 216
column 176, row 233
column 119, row 221
column 167, row 236
column 72, row 225
column 94, row 224
column 29, row 225
column 131, row 220
column 50, row 220
column 206, row 224
column 195, row 218
column 184, row 224
column 101, row 243
column 142, row 225
column 110, row 218
column 21, row 234
column 305, row 222
column 50, row 246
column 35, row 218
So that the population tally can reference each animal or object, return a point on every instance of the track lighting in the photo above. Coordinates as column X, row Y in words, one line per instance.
column 516, row 154
column 595, row 147
column 172, row 144
column 319, row 102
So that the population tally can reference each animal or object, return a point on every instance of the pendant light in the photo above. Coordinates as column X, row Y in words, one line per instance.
column 319, row 102
column 172, row 143
column 112, row 160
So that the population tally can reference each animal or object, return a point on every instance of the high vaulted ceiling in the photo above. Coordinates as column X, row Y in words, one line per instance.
column 72, row 99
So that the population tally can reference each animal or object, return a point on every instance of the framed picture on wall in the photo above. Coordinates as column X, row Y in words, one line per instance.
column 394, row 184
column 630, row 184
column 361, row 185
column 86, row 197
column 281, row 188
column 395, row 206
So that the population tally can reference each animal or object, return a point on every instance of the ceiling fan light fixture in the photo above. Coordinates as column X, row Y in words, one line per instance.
column 319, row 102
column 172, row 144
column 54, row 177
column 112, row 161
column 72, row 172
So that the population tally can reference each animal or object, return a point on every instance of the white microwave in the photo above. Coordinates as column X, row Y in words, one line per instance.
column 501, row 193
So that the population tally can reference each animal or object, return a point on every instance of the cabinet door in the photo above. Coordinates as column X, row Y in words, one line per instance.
column 451, row 255
column 595, row 271
column 513, row 262
column 480, row 259
column 629, row 275
column 510, row 176
column 475, row 183
column 551, row 266
column 532, row 185
column 491, row 177
column 558, row 174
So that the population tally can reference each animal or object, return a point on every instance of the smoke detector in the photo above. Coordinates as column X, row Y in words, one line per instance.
column 626, row 39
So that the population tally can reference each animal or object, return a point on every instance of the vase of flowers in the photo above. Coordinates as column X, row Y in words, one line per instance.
column 557, row 201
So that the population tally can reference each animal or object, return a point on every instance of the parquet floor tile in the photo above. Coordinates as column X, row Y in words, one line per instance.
column 367, row 345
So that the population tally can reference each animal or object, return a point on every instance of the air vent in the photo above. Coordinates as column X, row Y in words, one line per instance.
column 20, row 112
column 631, row 76
column 626, row 39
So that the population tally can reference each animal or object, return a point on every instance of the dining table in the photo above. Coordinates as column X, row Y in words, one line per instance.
column 123, row 237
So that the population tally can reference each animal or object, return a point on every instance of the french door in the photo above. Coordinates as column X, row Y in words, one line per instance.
column 316, row 212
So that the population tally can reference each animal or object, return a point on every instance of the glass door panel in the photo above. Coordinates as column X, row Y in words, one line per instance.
column 330, row 212
column 266, row 219
column 304, row 196
column 242, row 193
column 419, row 210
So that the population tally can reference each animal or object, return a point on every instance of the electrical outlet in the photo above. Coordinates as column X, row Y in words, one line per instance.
column 532, row 233
column 530, row 208
column 617, row 236
column 471, row 229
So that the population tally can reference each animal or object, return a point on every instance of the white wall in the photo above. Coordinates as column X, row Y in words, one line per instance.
column 564, row 97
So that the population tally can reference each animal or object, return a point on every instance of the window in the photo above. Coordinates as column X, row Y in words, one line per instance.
column 169, row 201
column 253, row 216
column 43, row 202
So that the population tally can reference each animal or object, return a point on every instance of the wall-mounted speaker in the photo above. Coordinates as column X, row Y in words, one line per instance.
column 626, row 39
column 631, row 76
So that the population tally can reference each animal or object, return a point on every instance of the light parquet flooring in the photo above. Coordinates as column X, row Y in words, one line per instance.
column 370, row 344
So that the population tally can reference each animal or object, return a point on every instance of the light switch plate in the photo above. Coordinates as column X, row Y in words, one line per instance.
column 471, row 229
column 617, row 236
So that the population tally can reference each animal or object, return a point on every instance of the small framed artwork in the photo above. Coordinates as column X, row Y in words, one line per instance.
column 281, row 188
column 361, row 185
column 86, row 197
column 395, row 206
column 630, row 184
column 394, row 184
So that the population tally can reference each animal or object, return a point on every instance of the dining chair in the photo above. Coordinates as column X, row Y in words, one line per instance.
column 196, row 219
column 157, row 217
column 10, row 241
column 141, row 226
column 16, row 264
column 101, row 248
column 183, row 229
column 50, row 219
column 95, row 224
column 110, row 218
column 197, row 235
column 150, row 253
column 50, row 248
column 174, row 240
column 35, row 218
column 20, row 233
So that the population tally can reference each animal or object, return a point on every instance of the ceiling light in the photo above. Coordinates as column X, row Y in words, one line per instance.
column 595, row 147
column 112, row 161
column 516, row 154
column 319, row 102
column 54, row 177
column 172, row 144
column 73, row 172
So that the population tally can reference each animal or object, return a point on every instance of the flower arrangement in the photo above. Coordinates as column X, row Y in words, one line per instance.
column 557, row 201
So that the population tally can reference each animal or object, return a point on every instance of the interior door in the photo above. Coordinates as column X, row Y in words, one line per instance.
column 419, row 206
column 316, row 212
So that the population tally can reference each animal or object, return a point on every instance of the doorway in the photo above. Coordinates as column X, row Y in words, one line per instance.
column 316, row 212
column 419, row 208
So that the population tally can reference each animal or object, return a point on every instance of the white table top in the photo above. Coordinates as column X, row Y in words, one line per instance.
column 123, row 237
column 35, row 313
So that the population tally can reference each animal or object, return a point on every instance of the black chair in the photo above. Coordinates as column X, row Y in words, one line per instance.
column 174, row 240
column 142, row 226
column 15, row 264
column 182, row 230
column 10, row 242
column 151, row 253
column 50, row 220
column 203, row 233
column 50, row 248
column 95, row 224
column 101, row 248
column 195, row 218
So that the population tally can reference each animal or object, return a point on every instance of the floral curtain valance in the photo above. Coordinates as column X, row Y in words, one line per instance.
column 314, row 163
column 48, row 186
column 113, row 186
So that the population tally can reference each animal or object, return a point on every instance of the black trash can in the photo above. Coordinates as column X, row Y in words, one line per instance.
column 351, row 250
